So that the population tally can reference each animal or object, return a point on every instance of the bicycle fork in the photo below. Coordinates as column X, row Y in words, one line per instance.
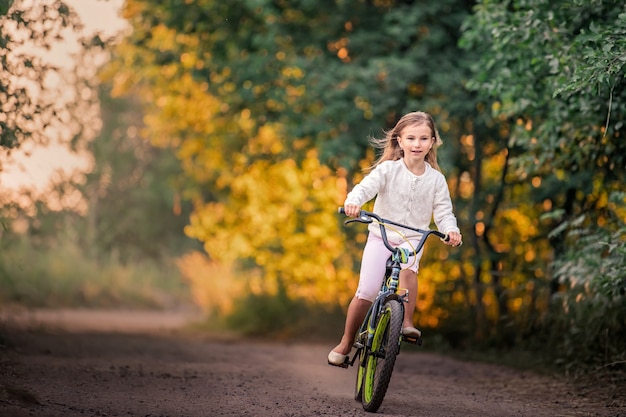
column 365, row 336
column 364, row 339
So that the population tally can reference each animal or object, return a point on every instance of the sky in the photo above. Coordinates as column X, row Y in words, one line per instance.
column 35, row 170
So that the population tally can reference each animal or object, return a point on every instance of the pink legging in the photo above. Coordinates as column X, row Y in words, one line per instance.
column 373, row 264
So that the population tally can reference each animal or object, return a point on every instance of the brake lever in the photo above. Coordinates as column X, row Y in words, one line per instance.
column 360, row 219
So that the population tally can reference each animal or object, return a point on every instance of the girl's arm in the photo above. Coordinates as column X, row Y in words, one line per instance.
column 443, row 213
column 367, row 189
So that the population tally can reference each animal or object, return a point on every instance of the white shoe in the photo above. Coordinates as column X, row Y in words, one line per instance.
column 411, row 332
column 338, row 359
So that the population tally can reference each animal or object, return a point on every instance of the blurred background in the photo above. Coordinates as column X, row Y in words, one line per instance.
column 167, row 154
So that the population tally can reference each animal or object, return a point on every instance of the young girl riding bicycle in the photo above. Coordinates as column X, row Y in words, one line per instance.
column 409, row 189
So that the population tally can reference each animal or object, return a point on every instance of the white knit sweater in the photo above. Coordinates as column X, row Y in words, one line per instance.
column 406, row 198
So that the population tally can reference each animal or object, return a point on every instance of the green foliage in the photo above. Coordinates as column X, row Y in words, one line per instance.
column 332, row 74
column 5, row 5
column 557, row 69
column 587, row 324
column 553, row 74
column 599, row 68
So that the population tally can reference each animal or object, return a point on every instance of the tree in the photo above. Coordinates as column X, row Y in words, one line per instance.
column 29, row 105
column 331, row 73
column 555, row 70
column 553, row 73
column 133, row 210
column 237, row 86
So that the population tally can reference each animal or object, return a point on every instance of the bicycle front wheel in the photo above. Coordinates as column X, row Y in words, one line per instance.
column 360, row 373
column 380, row 360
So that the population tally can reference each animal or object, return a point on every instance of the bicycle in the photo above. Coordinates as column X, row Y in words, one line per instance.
column 379, row 338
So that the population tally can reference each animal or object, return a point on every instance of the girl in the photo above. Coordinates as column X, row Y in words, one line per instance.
column 409, row 189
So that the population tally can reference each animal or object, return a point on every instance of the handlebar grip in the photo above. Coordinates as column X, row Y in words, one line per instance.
column 341, row 210
column 446, row 238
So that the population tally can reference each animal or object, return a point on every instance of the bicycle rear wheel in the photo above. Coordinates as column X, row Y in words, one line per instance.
column 380, row 360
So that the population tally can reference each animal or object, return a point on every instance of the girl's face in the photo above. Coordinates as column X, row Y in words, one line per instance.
column 416, row 141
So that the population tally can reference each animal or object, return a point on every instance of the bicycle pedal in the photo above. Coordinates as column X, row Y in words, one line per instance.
column 412, row 340
column 343, row 365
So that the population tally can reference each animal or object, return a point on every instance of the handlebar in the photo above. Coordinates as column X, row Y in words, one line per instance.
column 368, row 217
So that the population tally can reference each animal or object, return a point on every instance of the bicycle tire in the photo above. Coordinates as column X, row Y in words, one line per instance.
column 381, row 359
column 360, row 373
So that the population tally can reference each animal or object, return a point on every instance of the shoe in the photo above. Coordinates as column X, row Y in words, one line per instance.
column 411, row 332
column 338, row 359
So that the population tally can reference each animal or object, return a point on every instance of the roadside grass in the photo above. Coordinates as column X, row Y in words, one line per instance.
column 63, row 277
column 277, row 318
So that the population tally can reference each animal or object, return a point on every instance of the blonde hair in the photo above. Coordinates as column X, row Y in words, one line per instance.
column 390, row 146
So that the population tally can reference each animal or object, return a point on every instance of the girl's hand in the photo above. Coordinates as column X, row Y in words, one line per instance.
column 352, row 210
column 455, row 239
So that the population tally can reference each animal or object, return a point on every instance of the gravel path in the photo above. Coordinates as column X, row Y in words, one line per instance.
column 81, row 363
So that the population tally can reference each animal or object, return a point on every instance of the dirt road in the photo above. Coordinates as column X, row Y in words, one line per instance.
column 139, row 364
